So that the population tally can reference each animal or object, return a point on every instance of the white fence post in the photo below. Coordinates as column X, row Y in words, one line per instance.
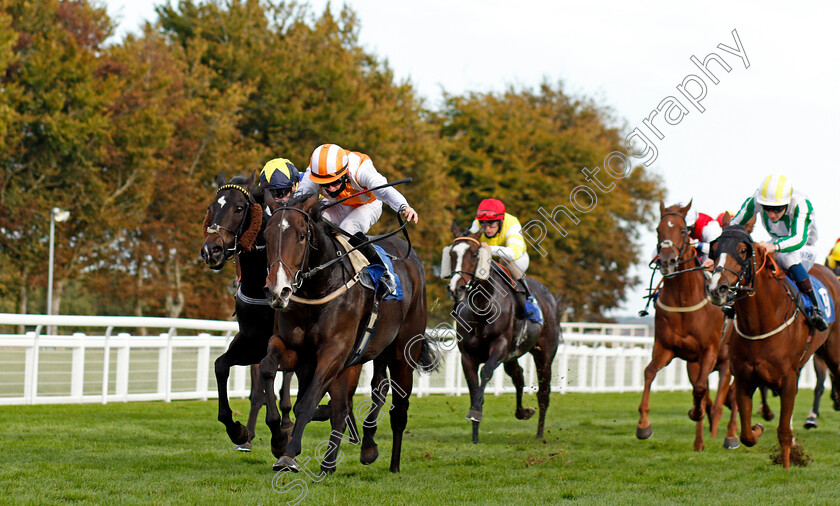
column 77, row 377
column 202, row 370
column 123, row 353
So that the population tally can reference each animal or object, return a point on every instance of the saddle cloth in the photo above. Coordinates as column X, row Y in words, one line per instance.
column 824, row 300
column 371, row 274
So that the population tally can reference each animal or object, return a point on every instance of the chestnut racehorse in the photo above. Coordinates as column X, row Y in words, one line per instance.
column 772, row 340
column 687, row 327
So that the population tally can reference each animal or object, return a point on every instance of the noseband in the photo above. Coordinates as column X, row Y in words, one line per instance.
column 215, row 227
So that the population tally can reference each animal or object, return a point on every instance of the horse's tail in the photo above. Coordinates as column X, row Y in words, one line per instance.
column 430, row 358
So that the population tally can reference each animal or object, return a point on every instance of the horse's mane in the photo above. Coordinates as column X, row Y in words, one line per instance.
column 298, row 199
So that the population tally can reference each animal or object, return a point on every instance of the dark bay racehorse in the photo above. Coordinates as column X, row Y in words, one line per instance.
column 489, row 332
column 772, row 340
column 323, row 314
column 232, row 229
column 687, row 327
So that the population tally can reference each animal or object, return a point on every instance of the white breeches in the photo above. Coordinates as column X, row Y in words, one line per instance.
column 355, row 219
column 806, row 255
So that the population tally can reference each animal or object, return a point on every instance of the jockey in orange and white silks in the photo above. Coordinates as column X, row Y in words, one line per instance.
column 788, row 217
column 337, row 173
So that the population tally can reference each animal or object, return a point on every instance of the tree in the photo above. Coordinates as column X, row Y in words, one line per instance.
column 528, row 148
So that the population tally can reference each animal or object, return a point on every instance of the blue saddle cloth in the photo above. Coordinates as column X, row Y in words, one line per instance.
column 377, row 271
column 824, row 300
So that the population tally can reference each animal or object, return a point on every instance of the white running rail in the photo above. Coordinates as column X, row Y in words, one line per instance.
column 108, row 359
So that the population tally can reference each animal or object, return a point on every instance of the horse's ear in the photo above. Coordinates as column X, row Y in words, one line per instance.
column 252, row 179
column 748, row 226
column 726, row 219
column 661, row 207
column 220, row 179
column 456, row 232
column 310, row 203
column 684, row 210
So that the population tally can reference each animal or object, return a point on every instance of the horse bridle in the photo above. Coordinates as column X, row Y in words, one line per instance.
column 667, row 243
column 745, row 280
column 215, row 227
column 300, row 275
column 467, row 284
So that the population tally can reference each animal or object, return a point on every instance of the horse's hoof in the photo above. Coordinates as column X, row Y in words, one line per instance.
column 699, row 447
column 644, row 433
column 474, row 415
column 238, row 433
column 369, row 455
column 811, row 422
column 524, row 413
column 279, row 442
column 327, row 470
column 731, row 443
column 286, row 462
column 244, row 447
column 322, row 413
column 695, row 417
column 758, row 428
column 767, row 413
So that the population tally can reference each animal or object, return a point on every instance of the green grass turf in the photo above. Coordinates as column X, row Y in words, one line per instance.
column 154, row 452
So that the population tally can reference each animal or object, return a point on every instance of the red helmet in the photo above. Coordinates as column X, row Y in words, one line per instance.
column 490, row 210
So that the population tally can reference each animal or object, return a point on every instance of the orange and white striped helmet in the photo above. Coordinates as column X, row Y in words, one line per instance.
column 775, row 190
column 328, row 163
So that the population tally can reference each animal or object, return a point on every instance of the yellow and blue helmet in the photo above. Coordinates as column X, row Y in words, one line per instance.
column 279, row 173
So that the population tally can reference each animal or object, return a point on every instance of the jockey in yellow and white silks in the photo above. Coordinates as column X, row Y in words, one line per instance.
column 502, row 234
column 788, row 217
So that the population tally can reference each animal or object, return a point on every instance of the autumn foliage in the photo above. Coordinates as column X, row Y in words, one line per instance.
column 129, row 135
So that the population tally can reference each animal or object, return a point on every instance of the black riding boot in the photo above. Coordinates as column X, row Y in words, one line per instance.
column 815, row 317
column 387, row 285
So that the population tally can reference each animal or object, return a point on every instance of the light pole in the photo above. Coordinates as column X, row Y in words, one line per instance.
column 56, row 215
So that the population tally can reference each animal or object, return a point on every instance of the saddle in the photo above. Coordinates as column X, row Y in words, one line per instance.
column 824, row 300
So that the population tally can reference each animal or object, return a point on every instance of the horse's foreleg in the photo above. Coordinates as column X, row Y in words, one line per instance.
column 693, row 369
column 766, row 412
column 513, row 369
column 659, row 359
column 731, row 441
column 542, row 360
column 257, row 398
column 277, row 357
column 237, row 433
column 785, row 430
column 470, row 366
column 286, row 402
column 743, row 398
column 701, row 385
column 326, row 370
column 724, row 380
column 339, row 420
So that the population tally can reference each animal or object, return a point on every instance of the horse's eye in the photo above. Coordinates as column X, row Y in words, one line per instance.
column 742, row 250
column 301, row 237
column 239, row 209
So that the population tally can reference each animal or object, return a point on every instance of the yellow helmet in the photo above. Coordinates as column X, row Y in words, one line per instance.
column 775, row 190
column 835, row 253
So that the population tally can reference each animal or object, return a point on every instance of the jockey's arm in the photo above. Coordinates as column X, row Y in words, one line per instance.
column 307, row 185
column 746, row 212
column 369, row 177
column 801, row 218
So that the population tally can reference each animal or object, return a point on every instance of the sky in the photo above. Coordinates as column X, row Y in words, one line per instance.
column 778, row 115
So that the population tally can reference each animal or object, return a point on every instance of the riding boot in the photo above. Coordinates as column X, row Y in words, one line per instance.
column 387, row 285
column 529, row 308
column 815, row 316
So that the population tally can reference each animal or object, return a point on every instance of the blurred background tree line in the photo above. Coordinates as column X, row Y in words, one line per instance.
column 128, row 136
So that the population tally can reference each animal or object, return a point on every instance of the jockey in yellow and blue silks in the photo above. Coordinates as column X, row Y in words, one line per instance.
column 502, row 234
column 788, row 217
column 832, row 261
column 280, row 179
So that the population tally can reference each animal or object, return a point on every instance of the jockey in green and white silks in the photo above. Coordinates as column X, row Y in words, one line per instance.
column 788, row 217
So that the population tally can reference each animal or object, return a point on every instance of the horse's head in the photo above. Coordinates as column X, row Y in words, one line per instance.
column 233, row 220
column 288, row 237
column 464, row 261
column 673, row 236
column 735, row 259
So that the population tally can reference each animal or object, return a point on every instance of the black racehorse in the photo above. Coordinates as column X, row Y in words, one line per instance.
column 323, row 322
column 233, row 230
column 489, row 332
